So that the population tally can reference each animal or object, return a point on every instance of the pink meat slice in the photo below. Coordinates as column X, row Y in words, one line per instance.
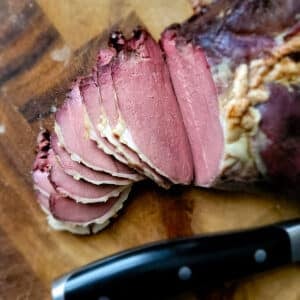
column 65, row 213
column 107, row 91
column 109, row 110
column 91, row 100
column 110, row 117
column 73, row 136
column 80, row 171
column 197, row 97
column 154, row 125
column 65, row 209
column 79, row 190
column 42, row 183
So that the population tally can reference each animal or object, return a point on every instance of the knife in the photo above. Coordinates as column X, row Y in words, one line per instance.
column 177, row 265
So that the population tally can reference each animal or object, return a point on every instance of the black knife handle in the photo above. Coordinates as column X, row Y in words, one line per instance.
column 174, row 266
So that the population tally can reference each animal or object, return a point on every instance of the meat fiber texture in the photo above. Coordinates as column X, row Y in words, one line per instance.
column 79, row 171
column 151, row 122
column 235, row 70
column 72, row 133
column 71, row 204
column 215, row 103
column 100, row 110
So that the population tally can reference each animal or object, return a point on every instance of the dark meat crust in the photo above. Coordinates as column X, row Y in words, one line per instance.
column 42, row 148
column 240, row 29
column 281, row 125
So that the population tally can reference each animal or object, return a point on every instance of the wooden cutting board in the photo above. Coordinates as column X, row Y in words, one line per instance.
column 43, row 46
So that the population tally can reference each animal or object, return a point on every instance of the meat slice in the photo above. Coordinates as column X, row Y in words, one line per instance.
column 42, row 183
column 91, row 100
column 109, row 112
column 110, row 116
column 72, row 133
column 95, row 110
column 222, row 68
column 65, row 209
column 152, row 122
column 63, row 212
column 79, row 171
column 79, row 190
column 197, row 97
column 66, row 214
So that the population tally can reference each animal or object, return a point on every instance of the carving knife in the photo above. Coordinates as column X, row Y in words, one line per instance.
column 168, row 267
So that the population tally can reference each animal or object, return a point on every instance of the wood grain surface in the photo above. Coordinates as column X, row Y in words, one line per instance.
column 43, row 46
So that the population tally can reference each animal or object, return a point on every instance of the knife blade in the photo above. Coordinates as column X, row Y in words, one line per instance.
column 173, row 266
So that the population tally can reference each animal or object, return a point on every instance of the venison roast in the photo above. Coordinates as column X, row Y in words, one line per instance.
column 215, row 102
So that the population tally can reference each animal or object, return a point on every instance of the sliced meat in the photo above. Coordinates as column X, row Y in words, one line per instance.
column 73, row 136
column 222, row 68
column 197, row 97
column 153, row 123
column 79, row 190
column 108, row 112
column 79, row 171
column 91, row 100
column 42, row 183
column 220, row 106
column 66, row 214
column 110, row 118
column 66, row 209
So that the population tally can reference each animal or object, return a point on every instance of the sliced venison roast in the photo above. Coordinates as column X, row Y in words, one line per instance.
column 215, row 103
column 79, row 171
column 72, row 133
column 65, row 213
column 76, row 228
column 151, row 124
column 223, row 63
column 91, row 100
column 197, row 97
column 64, row 209
column 110, row 115
column 79, row 190
column 98, row 115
